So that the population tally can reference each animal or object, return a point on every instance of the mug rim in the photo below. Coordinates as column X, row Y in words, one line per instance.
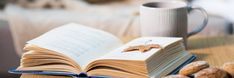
column 179, row 4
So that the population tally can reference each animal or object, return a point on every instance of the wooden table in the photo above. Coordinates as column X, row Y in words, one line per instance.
column 215, row 50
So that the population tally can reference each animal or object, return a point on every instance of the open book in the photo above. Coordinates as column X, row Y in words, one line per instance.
column 75, row 48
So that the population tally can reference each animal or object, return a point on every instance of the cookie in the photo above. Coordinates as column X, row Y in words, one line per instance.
column 193, row 67
column 42, row 4
column 211, row 73
column 102, row 1
column 229, row 67
column 176, row 76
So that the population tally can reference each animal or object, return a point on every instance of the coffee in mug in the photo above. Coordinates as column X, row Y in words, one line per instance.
column 168, row 19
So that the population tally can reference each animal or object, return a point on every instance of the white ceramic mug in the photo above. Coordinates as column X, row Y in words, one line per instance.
column 168, row 19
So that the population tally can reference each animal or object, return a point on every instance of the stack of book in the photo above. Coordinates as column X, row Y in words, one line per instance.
column 74, row 49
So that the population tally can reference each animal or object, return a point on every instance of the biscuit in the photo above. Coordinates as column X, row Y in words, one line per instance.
column 176, row 76
column 211, row 73
column 229, row 67
column 193, row 67
column 102, row 1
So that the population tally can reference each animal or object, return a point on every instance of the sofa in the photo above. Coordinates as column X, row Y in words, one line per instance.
column 8, row 57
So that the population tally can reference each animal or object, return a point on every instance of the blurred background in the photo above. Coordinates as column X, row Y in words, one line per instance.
column 22, row 20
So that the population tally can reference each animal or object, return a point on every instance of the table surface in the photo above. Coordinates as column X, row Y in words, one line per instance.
column 215, row 50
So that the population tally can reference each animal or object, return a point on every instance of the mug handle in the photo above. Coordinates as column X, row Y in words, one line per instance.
column 203, row 25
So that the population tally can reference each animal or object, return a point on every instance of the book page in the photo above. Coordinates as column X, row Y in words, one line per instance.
column 80, row 43
column 118, row 53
